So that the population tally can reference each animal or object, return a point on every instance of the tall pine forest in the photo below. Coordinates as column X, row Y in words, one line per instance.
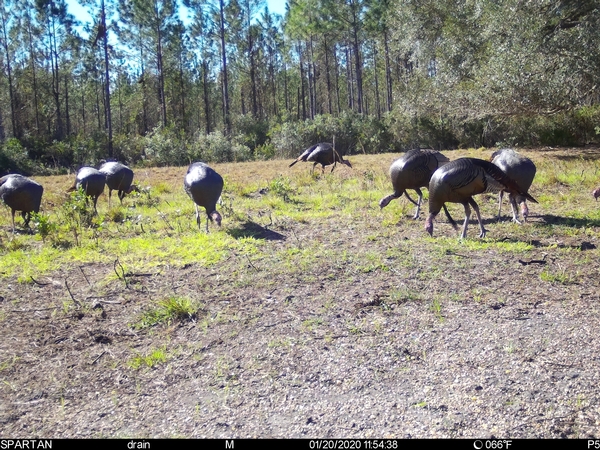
column 167, row 82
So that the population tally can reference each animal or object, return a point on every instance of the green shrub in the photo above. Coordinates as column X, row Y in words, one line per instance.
column 43, row 225
column 352, row 132
column 77, row 210
column 216, row 147
column 249, row 131
column 163, row 147
column 14, row 159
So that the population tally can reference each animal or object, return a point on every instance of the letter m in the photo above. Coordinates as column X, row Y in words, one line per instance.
column 229, row 444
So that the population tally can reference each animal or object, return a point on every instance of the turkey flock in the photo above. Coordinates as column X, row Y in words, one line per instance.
column 459, row 180
column 447, row 181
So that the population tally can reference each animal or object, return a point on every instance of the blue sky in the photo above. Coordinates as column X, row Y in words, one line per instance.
column 80, row 13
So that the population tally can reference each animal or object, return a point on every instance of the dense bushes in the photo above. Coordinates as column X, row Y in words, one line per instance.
column 14, row 159
column 353, row 134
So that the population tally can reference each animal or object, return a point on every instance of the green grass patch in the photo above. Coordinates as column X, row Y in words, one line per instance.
column 312, row 324
column 560, row 276
column 150, row 360
column 167, row 311
column 8, row 363
column 436, row 308
column 402, row 295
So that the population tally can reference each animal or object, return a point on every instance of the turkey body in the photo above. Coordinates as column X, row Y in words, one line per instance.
column 118, row 177
column 20, row 193
column 413, row 170
column 324, row 154
column 522, row 170
column 204, row 186
column 92, row 182
column 458, row 181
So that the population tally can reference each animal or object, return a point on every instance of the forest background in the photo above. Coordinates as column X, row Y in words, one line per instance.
column 167, row 82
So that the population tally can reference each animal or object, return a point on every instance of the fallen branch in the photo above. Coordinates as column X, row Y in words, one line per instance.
column 250, row 262
column 33, row 310
column 71, row 294
column 122, row 275
column 83, row 273
column 533, row 261
column 164, row 218
column 38, row 283
column 97, row 358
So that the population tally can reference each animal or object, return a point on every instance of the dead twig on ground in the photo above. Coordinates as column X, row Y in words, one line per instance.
column 122, row 274
column 84, row 276
column 71, row 294
column 38, row 283
column 97, row 358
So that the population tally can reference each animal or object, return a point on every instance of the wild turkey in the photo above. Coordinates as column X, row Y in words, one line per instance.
column 92, row 182
column 21, row 194
column 413, row 170
column 596, row 193
column 522, row 170
column 457, row 182
column 118, row 177
column 324, row 154
column 204, row 186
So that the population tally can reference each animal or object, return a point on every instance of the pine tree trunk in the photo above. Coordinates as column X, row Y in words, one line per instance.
column 337, row 80
column 377, row 103
column 207, row 114
column 182, row 94
column 327, row 77
column 349, row 79
column 161, row 78
column 34, row 78
column 302, row 95
column 59, row 132
column 108, row 118
column 358, row 68
column 11, row 89
column 67, row 115
column 388, row 72
column 312, row 81
column 226, row 113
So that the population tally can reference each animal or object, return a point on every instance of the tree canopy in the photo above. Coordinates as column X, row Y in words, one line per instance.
column 230, row 76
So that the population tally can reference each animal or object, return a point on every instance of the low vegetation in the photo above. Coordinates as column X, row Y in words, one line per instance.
column 156, row 227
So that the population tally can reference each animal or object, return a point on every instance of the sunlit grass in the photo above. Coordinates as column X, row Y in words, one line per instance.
column 449, row 245
column 150, row 360
column 167, row 311
column 326, row 219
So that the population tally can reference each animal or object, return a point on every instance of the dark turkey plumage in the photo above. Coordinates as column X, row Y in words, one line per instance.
column 21, row 194
column 457, row 182
column 324, row 154
column 413, row 170
column 118, row 177
column 522, row 170
column 204, row 186
column 92, row 182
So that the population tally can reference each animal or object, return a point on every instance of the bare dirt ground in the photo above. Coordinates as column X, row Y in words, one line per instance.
column 432, row 342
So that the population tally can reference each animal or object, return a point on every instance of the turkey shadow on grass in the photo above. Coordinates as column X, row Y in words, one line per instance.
column 573, row 244
column 587, row 154
column 544, row 219
column 551, row 219
column 20, row 230
column 256, row 231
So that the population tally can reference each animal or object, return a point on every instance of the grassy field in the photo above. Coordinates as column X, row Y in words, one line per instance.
column 140, row 295
column 157, row 224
